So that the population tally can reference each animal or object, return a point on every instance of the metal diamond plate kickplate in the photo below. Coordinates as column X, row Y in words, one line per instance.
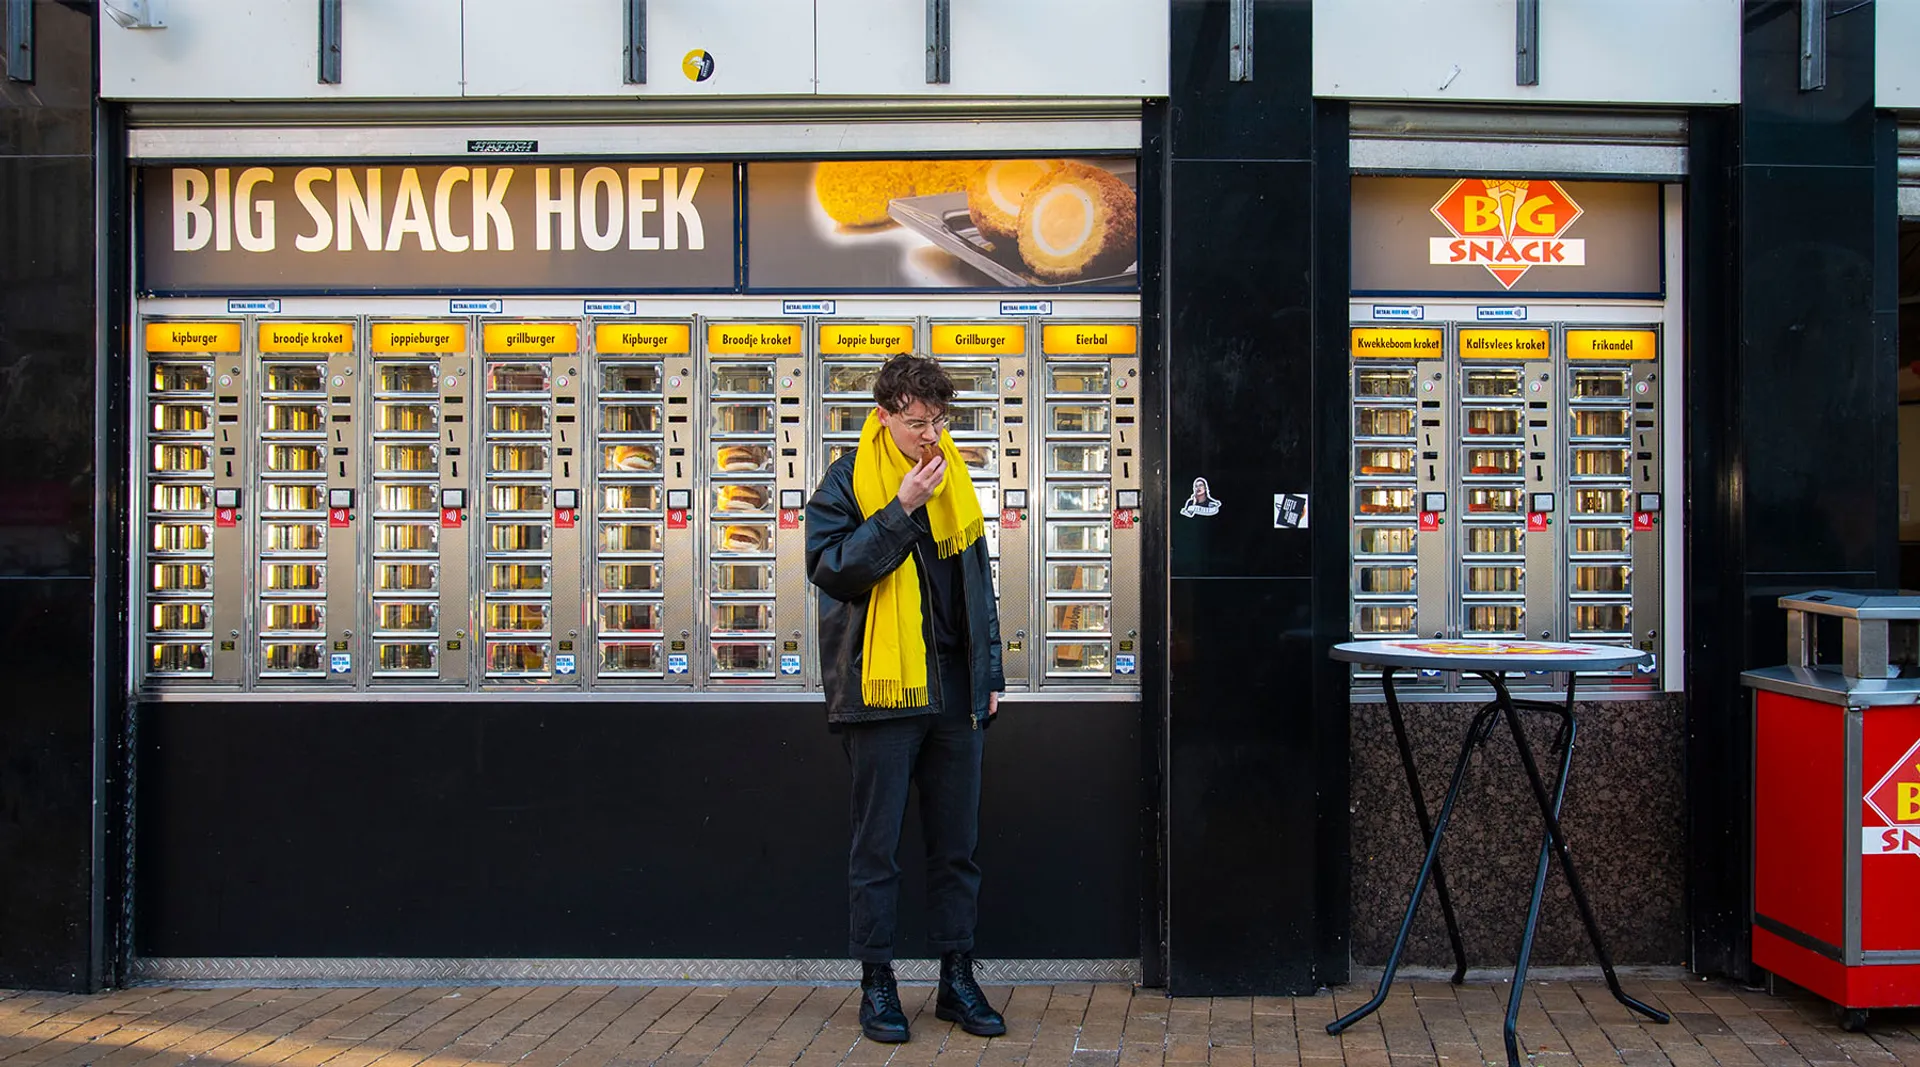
column 371, row 970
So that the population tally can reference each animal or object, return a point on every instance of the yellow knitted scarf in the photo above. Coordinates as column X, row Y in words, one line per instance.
column 894, row 671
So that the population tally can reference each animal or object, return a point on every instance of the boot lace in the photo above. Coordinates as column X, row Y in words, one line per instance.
column 886, row 996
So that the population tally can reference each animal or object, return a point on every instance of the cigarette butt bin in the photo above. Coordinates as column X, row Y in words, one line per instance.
column 1836, row 801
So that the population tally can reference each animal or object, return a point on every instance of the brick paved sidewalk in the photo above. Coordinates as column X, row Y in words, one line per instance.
column 1423, row 1023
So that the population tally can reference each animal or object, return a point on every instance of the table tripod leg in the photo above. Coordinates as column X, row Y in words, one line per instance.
column 1426, row 828
column 1426, row 869
column 1509, row 1029
column 1550, row 810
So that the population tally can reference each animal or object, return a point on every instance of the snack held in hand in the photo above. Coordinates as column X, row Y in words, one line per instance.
column 998, row 190
column 1078, row 222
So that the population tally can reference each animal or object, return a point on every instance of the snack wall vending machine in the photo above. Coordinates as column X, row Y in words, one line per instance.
column 1090, row 472
column 1506, row 486
column 990, row 427
column 756, row 617
column 642, row 575
column 419, row 588
column 307, row 440
column 192, row 586
column 530, row 602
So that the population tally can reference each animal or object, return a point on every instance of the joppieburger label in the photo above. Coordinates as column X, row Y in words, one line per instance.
column 361, row 228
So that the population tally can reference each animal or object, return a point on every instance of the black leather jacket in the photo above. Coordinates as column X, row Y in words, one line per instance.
column 846, row 557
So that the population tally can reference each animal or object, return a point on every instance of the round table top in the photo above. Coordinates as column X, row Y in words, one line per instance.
column 1456, row 654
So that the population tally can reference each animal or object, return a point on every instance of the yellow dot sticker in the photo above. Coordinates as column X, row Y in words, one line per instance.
column 698, row 65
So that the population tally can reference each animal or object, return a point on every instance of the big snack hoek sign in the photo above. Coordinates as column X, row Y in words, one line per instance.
column 211, row 228
column 1508, row 226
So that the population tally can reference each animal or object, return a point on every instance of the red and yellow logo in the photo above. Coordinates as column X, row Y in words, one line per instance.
column 1508, row 226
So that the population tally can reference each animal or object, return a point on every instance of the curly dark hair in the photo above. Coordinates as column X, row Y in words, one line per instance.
column 905, row 379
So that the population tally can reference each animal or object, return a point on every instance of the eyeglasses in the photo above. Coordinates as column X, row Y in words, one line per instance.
column 921, row 425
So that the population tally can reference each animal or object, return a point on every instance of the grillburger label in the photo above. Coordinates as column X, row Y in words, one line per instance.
column 360, row 228
column 1508, row 226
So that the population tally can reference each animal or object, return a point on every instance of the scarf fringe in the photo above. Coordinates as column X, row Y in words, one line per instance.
column 966, row 535
column 892, row 693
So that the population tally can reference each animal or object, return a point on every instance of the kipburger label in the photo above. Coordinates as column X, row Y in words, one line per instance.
column 1386, row 342
column 193, row 337
column 666, row 225
column 640, row 338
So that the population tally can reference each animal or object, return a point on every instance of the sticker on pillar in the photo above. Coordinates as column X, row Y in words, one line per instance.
column 1429, row 521
column 789, row 519
column 340, row 663
column 563, row 518
column 676, row 663
column 1123, row 519
column 1123, row 664
column 1289, row 511
column 338, row 518
column 676, row 518
column 1895, row 798
column 563, row 663
column 1201, row 503
column 1642, row 521
column 226, row 518
column 450, row 518
column 1536, row 522
column 1009, row 518
column 789, row 664
column 698, row 65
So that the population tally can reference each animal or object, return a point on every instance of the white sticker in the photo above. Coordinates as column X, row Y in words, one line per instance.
column 341, row 663
column 1026, row 307
column 563, row 663
column 1399, row 313
column 1289, row 511
column 265, row 306
column 608, row 307
column 676, row 663
column 474, row 307
column 789, row 663
column 1124, row 664
column 806, row 307
column 1201, row 503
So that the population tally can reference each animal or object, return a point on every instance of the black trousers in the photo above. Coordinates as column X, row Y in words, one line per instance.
column 941, row 755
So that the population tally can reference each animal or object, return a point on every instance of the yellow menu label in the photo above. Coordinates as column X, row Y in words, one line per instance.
column 757, row 338
column 1397, row 342
column 846, row 339
column 419, row 337
column 636, row 338
column 1612, row 344
column 1090, row 338
column 193, row 337
column 1505, row 344
column 969, row 339
column 535, row 337
column 306, row 337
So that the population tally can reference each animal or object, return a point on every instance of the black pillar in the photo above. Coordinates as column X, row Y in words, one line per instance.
column 1255, row 816
column 50, row 922
column 1791, row 405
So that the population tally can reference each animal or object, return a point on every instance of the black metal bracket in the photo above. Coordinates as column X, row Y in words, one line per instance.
column 1813, row 45
column 1240, row 40
column 19, row 40
column 1526, row 42
column 329, row 42
column 939, row 42
column 636, row 42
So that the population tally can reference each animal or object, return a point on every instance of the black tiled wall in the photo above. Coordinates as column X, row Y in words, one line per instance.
column 47, row 899
column 1249, row 852
column 1791, row 404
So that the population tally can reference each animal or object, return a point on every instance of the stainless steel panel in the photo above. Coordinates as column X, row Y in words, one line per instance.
column 1545, row 530
column 1435, row 442
column 1017, row 417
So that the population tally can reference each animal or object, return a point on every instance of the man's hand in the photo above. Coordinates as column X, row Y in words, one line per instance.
column 993, row 704
column 918, row 486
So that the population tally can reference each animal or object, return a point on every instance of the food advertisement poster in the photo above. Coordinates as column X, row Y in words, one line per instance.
column 1063, row 223
column 586, row 226
column 1519, row 236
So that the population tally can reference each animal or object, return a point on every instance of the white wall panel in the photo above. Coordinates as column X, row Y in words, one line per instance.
column 1114, row 48
column 577, row 47
column 1896, row 53
column 1591, row 51
column 269, row 49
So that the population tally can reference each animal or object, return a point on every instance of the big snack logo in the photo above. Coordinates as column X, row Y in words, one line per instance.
column 1507, row 226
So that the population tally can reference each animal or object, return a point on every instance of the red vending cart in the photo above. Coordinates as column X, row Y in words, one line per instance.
column 1836, row 816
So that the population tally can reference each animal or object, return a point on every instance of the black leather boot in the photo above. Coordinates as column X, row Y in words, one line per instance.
column 961, row 999
column 881, row 1017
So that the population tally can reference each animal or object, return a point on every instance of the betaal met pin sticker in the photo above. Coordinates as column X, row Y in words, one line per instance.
column 789, row 664
column 1201, row 503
